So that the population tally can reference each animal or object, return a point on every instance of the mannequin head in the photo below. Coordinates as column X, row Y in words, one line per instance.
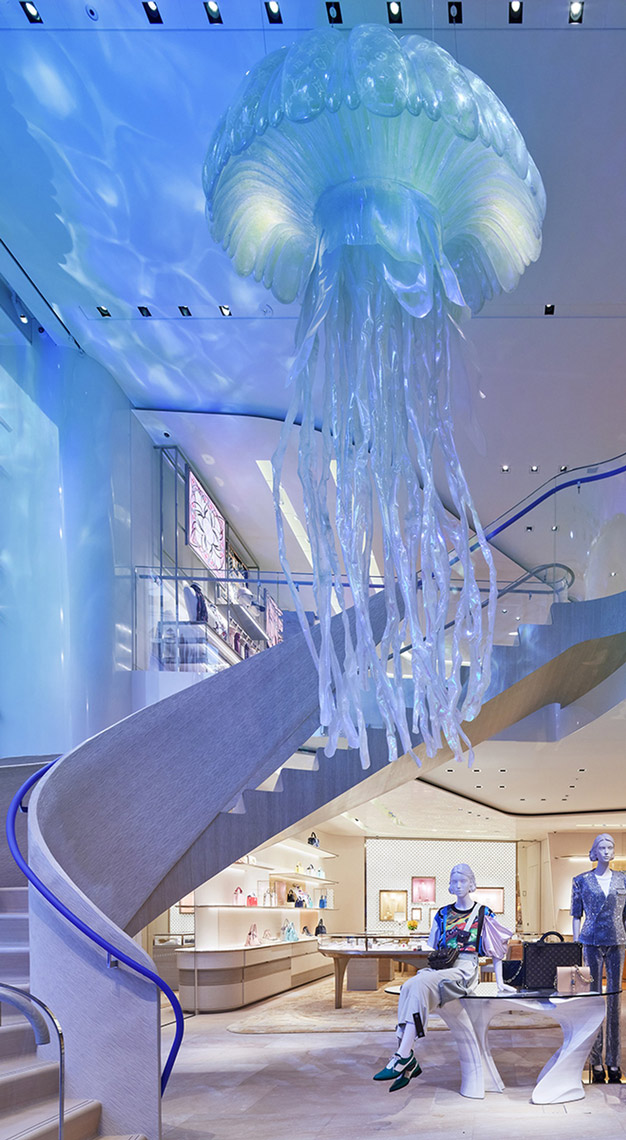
column 602, row 848
column 462, row 880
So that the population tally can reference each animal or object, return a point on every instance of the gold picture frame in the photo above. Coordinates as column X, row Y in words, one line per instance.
column 392, row 906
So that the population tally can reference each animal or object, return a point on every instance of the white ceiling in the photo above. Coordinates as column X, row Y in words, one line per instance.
column 104, row 125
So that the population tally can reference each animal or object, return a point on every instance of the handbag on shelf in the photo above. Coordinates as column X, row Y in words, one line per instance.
column 445, row 958
column 323, row 903
column 252, row 900
column 320, row 928
column 290, row 934
column 238, row 896
column 542, row 959
column 573, row 979
column 313, row 840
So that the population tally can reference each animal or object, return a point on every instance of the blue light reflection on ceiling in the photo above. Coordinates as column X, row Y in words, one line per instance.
column 107, row 134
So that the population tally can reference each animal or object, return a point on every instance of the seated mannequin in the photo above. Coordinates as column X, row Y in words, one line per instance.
column 474, row 930
column 601, row 895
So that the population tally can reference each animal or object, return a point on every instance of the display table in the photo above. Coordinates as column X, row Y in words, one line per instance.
column 344, row 948
column 560, row 1080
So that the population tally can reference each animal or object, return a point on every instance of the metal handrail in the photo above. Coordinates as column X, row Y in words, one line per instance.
column 114, row 956
column 18, row 998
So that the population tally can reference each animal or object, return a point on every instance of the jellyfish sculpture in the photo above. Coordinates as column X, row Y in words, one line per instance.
column 387, row 188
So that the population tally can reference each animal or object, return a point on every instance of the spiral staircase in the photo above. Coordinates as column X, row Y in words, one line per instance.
column 136, row 817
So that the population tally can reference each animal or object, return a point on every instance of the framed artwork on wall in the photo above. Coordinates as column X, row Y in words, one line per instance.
column 423, row 889
column 206, row 527
column 493, row 897
column 431, row 914
column 416, row 914
column 392, row 906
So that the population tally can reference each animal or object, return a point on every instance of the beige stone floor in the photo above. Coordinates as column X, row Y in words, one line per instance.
column 299, row 1086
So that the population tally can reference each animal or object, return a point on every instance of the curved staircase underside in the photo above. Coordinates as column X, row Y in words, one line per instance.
column 138, row 816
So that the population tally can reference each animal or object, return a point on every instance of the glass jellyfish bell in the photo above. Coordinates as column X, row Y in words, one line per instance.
column 388, row 188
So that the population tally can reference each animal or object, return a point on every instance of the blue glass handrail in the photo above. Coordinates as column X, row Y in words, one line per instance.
column 112, row 951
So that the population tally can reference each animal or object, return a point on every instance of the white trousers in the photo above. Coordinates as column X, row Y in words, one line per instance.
column 430, row 989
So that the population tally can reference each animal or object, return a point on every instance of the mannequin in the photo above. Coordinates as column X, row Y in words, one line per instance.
column 474, row 930
column 601, row 895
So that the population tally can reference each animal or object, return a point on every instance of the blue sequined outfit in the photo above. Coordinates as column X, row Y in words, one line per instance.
column 604, row 941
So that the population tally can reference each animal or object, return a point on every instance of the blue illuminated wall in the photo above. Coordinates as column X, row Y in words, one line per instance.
column 76, row 513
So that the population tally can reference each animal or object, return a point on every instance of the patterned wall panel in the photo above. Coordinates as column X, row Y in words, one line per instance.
column 391, row 864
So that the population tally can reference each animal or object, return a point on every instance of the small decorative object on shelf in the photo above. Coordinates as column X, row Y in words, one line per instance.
column 299, row 869
column 306, row 932
column 412, row 925
column 252, row 938
column 238, row 896
column 252, row 900
column 323, row 902
column 320, row 928
column 313, row 840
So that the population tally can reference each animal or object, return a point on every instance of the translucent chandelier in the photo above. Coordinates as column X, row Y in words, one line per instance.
column 386, row 187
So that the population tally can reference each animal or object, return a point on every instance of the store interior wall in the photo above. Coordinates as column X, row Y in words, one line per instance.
column 76, row 513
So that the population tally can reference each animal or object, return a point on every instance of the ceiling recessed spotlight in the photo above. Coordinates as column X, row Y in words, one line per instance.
column 184, row 310
column 516, row 12
column 563, row 468
column 502, row 786
column 612, row 573
column 394, row 12
column 572, row 785
column 522, row 799
column 554, row 527
column 333, row 11
column 513, row 632
column 478, row 786
column 24, row 320
column 576, row 11
column 212, row 10
column 503, row 769
column 548, row 310
column 272, row 7
column 505, row 468
column 151, row 8
column 534, row 467
column 455, row 13
column 91, row 12
column 104, row 312
column 504, row 610
column 449, row 770
column 144, row 310
column 529, row 527
column 582, row 769
column 30, row 11
column 517, row 617
column 225, row 310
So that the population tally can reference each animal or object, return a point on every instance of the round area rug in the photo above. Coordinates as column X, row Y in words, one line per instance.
column 311, row 1009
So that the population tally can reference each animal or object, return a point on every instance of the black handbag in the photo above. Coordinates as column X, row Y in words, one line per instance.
column 513, row 972
column 541, row 959
column 443, row 959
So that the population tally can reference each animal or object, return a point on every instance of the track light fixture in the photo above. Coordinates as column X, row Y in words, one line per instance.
column 212, row 10
column 516, row 11
column 151, row 8
column 455, row 13
column 576, row 9
column 394, row 12
column 31, row 12
column 333, row 11
column 272, row 7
